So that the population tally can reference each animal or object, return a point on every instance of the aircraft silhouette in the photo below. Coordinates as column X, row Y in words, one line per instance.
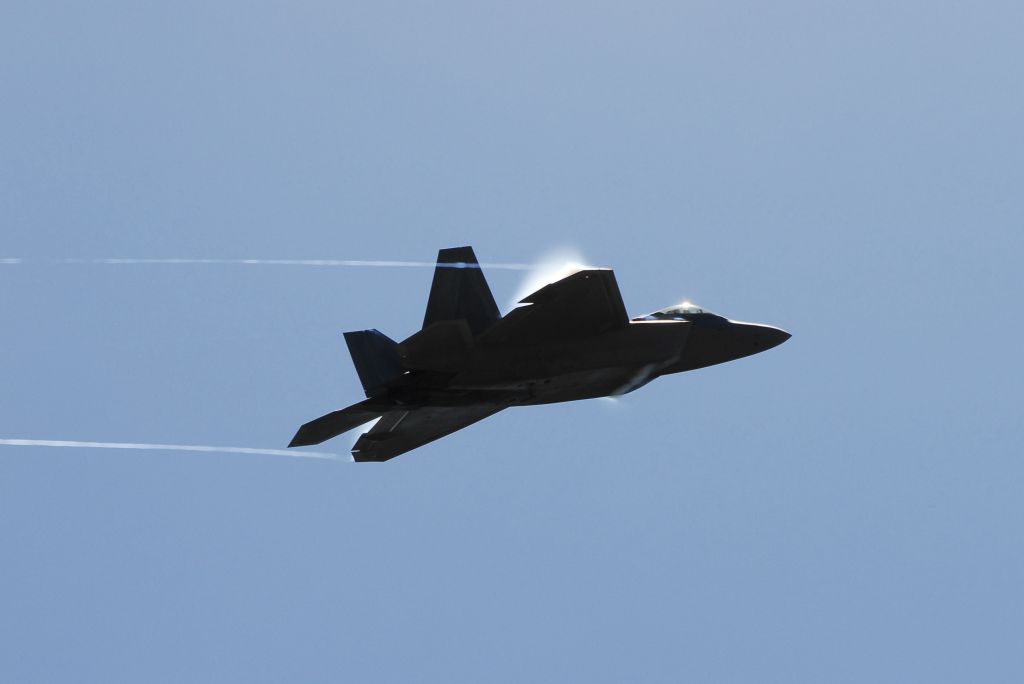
column 569, row 340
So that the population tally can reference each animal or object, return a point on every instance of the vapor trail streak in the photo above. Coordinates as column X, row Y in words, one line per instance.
column 280, row 262
column 168, row 447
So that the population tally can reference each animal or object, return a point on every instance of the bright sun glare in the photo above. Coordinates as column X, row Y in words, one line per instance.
column 551, row 267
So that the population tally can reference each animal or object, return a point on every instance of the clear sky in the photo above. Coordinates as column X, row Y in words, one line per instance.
column 844, row 508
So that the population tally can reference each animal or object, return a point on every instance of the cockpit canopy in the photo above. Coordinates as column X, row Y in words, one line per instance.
column 677, row 312
column 680, row 309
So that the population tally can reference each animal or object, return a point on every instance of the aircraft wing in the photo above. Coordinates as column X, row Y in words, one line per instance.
column 401, row 431
column 581, row 305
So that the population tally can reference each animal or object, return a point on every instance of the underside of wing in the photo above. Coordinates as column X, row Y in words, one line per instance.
column 400, row 431
column 583, row 304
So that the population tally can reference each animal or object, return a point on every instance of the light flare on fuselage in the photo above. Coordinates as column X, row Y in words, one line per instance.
column 614, row 401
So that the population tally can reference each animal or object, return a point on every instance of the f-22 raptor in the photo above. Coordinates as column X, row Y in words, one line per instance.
column 569, row 340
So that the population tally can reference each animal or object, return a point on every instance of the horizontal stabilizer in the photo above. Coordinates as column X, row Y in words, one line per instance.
column 333, row 424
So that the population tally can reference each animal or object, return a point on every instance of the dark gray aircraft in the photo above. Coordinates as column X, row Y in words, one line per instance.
column 569, row 340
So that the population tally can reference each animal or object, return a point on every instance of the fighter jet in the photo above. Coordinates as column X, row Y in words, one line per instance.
column 569, row 340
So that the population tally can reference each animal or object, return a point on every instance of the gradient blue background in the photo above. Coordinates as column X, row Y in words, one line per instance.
column 845, row 508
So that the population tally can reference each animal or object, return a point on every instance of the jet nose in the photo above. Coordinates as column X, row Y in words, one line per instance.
column 719, row 340
column 773, row 337
column 759, row 338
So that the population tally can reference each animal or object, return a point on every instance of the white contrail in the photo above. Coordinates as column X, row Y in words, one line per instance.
column 169, row 447
column 281, row 262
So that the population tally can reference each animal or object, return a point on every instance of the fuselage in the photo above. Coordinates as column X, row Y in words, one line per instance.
column 609, row 364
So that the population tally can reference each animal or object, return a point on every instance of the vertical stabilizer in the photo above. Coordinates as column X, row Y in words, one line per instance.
column 375, row 356
column 459, row 291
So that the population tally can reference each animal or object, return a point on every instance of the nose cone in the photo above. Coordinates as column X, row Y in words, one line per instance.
column 725, row 341
column 759, row 338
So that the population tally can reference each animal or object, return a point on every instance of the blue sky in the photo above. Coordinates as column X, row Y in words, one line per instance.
column 844, row 508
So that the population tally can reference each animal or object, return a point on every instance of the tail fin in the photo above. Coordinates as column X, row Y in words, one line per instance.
column 459, row 291
column 375, row 356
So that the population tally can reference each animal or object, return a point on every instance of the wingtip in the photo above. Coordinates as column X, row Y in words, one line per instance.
column 302, row 438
